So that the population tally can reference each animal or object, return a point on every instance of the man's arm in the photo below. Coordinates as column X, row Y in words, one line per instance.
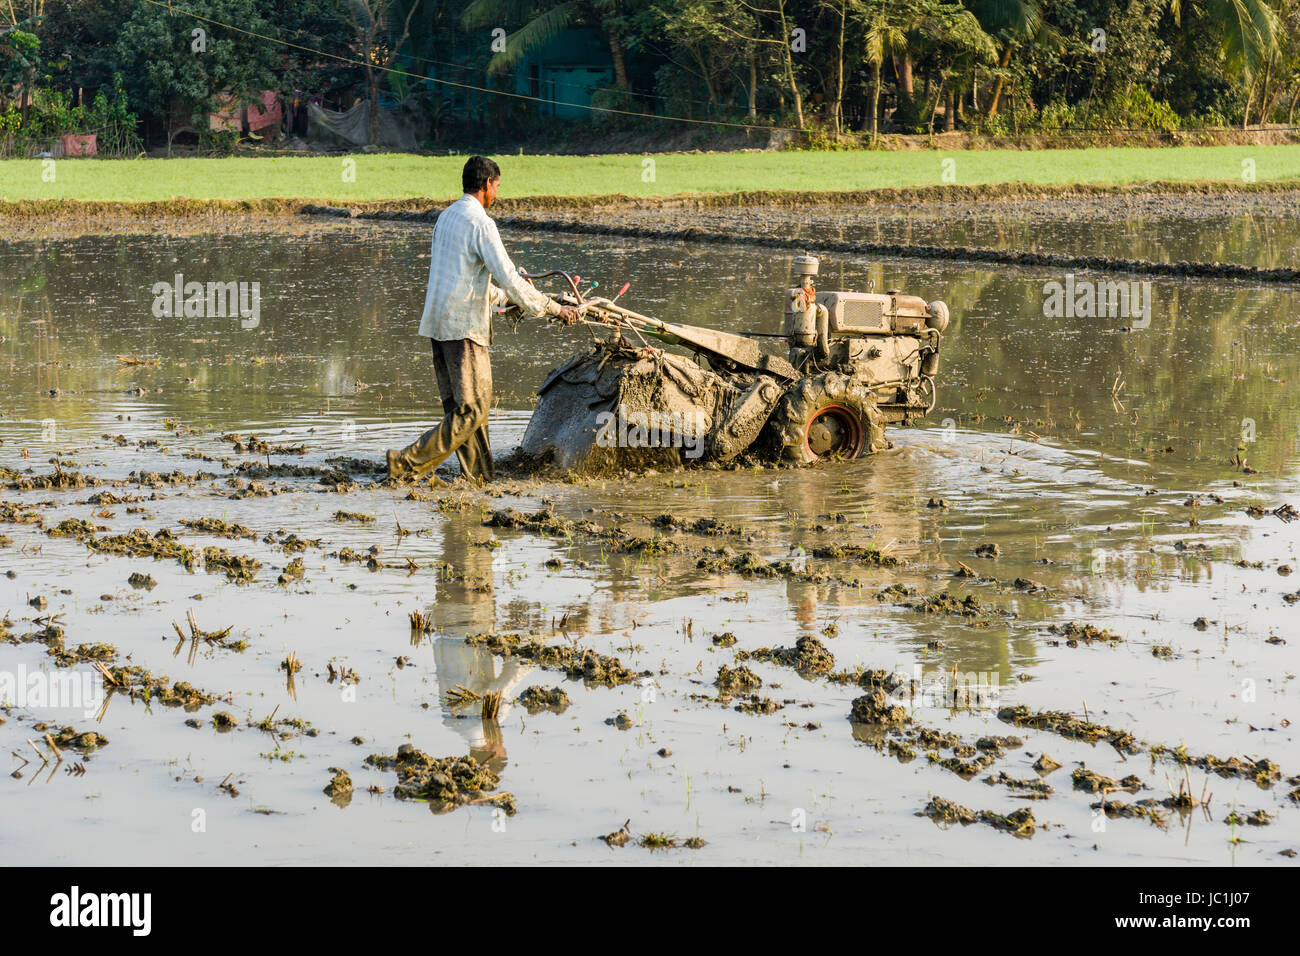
column 499, row 266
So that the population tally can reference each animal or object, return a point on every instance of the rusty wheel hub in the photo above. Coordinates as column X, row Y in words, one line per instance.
column 834, row 432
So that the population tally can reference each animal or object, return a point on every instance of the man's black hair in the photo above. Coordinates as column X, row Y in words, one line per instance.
column 478, row 170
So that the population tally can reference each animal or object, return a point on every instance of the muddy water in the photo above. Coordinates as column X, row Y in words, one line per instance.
column 1071, row 444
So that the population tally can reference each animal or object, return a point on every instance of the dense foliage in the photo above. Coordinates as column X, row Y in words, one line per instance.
column 129, row 68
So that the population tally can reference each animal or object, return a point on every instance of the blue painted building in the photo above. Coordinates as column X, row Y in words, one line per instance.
column 565, row 72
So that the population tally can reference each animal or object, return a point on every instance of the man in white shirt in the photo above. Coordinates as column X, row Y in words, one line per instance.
column 467, row 257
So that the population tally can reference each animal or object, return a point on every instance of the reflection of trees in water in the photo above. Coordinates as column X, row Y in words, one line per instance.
column 1267, row 241
column 1190, row 378
column 889, row 496
column 465, row 605
column 346, row 300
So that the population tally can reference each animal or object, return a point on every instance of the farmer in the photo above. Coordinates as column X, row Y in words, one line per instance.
column 467, row 257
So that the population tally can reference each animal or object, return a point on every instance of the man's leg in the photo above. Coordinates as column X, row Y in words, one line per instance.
column 471, row 367
column 462, row 417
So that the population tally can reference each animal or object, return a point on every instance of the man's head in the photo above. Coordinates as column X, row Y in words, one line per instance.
column 480, row 178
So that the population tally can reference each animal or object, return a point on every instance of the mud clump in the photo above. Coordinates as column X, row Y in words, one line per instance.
column 58, row 480
column 947, row 603
column 540, row 522
column 738, row 680
column 1019, row 822
column 940, row 809
column 937, row 739
column 1035, row 789
column 1076, row 634
column 69, row 738
column 706, row 526
column 966, row 769
column 1093, row 782
column 218, row 527
column 1260, row 818
column 586, row 664
column 140, row 581
column 239, row 568
column 83, row 653
column 355, row 516
column 808, row 656
column 754, row 704
column 291, row 543
column 139, row 683
column 537, row 699
column 1263, row 771
column 1067, row 725
column 874, row 708
column 293, row 571
column 895, row 592
column 1141, row 809
column 869, row 678
column 859, row 554
column 13, row 513
column 139, row 543
column 340, row 784
column 726, row 639
column 74, row 528
column 747, row 564
column 650, row 841
column 446, row 782
column 1045, row 764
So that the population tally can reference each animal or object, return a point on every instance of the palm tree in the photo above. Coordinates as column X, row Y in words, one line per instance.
column 945, row 24
column 1011, row 21
column 885, row 37
column 960, row 43
column 1249, row 31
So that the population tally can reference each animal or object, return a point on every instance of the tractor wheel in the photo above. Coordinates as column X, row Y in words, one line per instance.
column 827, row 417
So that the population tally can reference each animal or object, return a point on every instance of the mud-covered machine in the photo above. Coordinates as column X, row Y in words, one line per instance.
column 857, row 361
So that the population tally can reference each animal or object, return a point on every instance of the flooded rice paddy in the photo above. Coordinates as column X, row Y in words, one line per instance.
column 1087, row 530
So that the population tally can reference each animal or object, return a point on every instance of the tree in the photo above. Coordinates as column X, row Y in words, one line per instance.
column 942, row 30
column 777, row 17
column 1249, row 36
column 692, row 36
column 1011, row 22
column 20, row 62
column 885, row 37
column 371, row 22
column 168, row 67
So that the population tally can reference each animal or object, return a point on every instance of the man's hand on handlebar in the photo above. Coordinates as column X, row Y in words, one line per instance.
column 568, row 315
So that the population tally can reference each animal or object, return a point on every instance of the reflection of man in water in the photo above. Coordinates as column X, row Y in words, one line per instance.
column 461, row 664
column 468, row 606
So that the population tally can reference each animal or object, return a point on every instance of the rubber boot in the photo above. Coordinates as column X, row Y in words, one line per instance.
column 400, row 468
